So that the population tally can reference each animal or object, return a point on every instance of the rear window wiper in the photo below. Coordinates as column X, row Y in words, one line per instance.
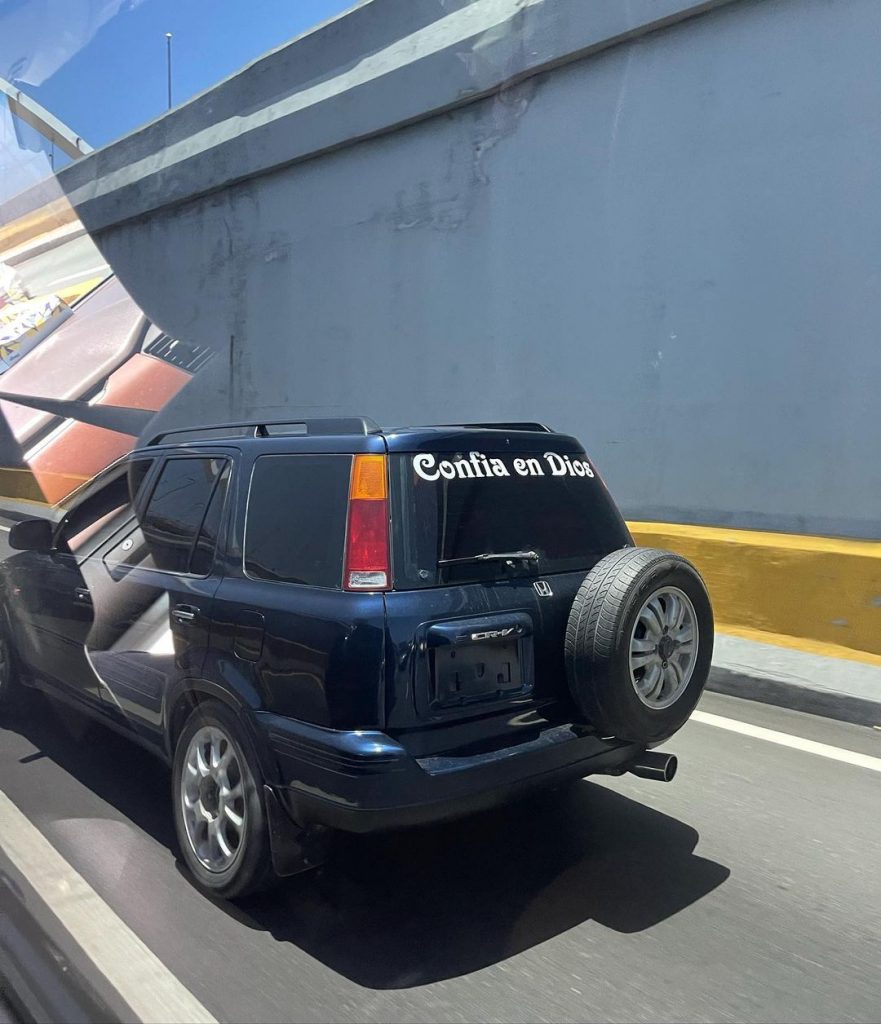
column 492, row 556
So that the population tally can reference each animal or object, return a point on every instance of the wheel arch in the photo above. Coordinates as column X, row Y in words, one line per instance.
column 183, row 699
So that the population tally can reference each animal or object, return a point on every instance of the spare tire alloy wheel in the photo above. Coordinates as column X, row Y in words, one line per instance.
column 639, row 643
column 663, row 647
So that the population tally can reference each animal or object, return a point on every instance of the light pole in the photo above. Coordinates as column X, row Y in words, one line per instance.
column 168, row 52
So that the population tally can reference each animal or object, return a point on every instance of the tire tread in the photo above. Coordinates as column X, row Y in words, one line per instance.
column 593, row 635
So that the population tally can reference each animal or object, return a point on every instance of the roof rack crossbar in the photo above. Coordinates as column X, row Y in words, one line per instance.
column 264, row 428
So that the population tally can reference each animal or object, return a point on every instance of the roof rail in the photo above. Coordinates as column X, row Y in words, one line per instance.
column 525, row 425
column 273, row 428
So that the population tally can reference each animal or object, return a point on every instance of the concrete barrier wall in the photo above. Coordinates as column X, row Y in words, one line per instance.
column 816, row 593
column 652, row 224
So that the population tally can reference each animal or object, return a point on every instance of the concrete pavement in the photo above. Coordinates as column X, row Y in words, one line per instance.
column 839, row 688
column 744, row 890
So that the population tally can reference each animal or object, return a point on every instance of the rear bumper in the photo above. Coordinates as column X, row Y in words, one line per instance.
column 364, row 781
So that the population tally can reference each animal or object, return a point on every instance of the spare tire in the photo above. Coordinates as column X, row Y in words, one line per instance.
column 639, row 642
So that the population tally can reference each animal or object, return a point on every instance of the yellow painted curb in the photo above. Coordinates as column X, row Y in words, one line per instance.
column 74, row 292
column 38, row 222
column 814, row 592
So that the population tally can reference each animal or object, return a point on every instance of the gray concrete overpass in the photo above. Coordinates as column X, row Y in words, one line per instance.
column 652, row 223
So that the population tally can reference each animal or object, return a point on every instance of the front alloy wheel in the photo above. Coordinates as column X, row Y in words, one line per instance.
column 9, row 669
column 4, row 665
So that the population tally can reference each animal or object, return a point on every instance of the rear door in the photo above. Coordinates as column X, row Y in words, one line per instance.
column 476, row 636
column 285, row 632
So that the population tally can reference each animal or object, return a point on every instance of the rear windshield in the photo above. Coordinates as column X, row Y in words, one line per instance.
column 451, row 506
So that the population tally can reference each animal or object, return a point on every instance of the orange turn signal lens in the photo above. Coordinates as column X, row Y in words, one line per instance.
column 368, row 478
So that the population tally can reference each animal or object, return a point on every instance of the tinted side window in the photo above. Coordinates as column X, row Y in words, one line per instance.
column 176, row 509
column 98, row 514
column 137, row 474
column 96, row 517
column 296, row 529
column 203, row 554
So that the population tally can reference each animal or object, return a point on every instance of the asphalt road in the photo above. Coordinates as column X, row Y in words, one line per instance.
column 747, row 889
column 65, row 264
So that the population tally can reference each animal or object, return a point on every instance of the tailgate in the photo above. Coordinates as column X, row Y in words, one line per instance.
column 476, row 650
column 489, row 546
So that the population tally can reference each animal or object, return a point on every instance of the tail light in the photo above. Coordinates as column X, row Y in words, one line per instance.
column 367, row 546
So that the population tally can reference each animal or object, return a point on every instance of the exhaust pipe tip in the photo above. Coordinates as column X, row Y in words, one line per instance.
column 655, row 765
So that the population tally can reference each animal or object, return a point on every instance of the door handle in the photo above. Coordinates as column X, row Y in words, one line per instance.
column 185, row 612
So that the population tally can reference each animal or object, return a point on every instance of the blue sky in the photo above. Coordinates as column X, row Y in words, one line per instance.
column 117, row 79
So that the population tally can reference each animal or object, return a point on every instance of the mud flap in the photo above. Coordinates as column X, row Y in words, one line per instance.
column 294, row 847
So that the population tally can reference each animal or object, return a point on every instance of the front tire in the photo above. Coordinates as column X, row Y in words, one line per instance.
column 9, row 668
column 219, row 813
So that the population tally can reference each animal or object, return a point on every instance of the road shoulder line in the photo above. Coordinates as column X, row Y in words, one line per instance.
column 784, row 739
column 128, row 965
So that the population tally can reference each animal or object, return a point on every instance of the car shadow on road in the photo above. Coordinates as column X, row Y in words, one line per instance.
column 123, row 774
column 419, row 906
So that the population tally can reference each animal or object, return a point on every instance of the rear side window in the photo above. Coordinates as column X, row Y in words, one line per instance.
column 455, row 506
column 138, row 470
column 296, row 529
column 177, row 508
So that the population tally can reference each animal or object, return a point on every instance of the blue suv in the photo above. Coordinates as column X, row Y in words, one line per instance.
column 325, row 625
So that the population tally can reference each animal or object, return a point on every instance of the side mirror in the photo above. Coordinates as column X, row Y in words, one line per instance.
column 31, row 535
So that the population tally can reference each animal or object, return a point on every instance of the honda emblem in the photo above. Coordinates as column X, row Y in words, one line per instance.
column 543, row 588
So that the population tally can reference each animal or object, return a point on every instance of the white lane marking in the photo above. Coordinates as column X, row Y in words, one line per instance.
column 137, row 974
column 784, row 739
